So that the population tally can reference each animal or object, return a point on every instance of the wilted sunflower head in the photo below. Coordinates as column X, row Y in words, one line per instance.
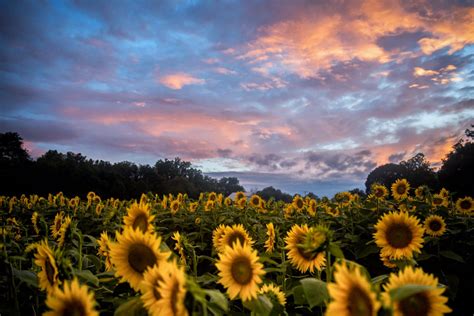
column 435, row 225
column 425, row 303
column 399, row 235
column 139, row 217
column 400, row 189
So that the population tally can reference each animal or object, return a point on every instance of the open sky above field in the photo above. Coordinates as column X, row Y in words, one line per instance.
column 301, row 95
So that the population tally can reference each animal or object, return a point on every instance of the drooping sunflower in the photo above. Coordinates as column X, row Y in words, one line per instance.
column 172, row 289
column 133, row 253
column 435, row 225
column 48, row 277
column 275, row 293
column 400, row 189
column 379, row 191
column 465, row 205
column 56, row 226
column 399, row 235
column 63, row 232
column 298, row 203
column 254, row 201
column 270, row 242
column 73, row 299
column 179, row 247
column 300, row 258
column 138, row 217
column 34, row 221
column 217, row 236
column 104, row 250
column 351, row 294
column 438, row 200
column 232, row 234
column 239, row 271
column 425, row 303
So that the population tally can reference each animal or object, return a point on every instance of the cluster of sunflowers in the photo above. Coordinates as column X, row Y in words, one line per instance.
column 172, row 255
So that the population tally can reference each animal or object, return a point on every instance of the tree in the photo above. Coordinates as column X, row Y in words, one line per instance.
column 276, row 194
column 456, row 173
column 11, row 148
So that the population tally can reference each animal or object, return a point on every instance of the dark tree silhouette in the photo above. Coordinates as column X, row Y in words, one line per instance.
column 270, row 192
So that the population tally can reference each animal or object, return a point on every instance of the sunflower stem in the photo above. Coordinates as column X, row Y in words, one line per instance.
column 328, row 267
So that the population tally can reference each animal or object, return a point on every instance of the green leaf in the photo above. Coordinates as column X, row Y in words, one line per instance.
column 379, row 279
column 261, row 306
column 451, row 255
column 367, row 251
column 335, row 250
column 132, row 307
column 407, row 290
column 315, row 291
column 298, row 295
column 87, row 276
column 27, row 277
column 218, row 303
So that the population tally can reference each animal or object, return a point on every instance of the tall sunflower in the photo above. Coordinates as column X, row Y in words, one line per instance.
column 439, row 200
column 254, row 201
column 133, row 253
column 232, row 234
column 400, row 189
column 435, row 225
column 217, row 236
column 465, row 205
column 275, row 293
column 48, row 277
column 239, row 195
column 399, row 235
column 73, row 299
column 427, row 303
column 312, row 207
column 300, row 258
column 193, row 207
column 172, row 289
column 351, row 294
column 298, row 203
column 138, row 217
column 179, row 246
column 174, row 206
column 104, row 250
column 420, row 192
column 270, row 242
column 379, row 191
column 240, row 272
column 63, row 232
column 56, row 226
column 149, row 287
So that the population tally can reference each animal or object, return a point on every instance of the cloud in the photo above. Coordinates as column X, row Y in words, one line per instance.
column 420, row 72
column 178, row 80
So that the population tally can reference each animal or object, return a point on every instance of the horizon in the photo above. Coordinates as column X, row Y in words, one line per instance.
column 304, row 97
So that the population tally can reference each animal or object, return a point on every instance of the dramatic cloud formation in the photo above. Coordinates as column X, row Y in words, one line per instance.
column 304, row 96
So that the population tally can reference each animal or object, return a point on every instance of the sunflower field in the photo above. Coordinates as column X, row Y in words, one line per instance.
column 397, row 252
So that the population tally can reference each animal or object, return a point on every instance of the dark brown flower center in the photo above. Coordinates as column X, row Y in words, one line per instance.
column 49, row 270
column 359, row 303
column 435, row 225
column 401, row 189
column 141, row 222
column 74, row 308
column 241, row 271
column 256, row 201
column 415, row 305
column 140, row 257
column 437, row 201
column 234, row 237
column 379, row 192
column 174, row 297
column 399, row 235
column 299, row 203
column 465, row 204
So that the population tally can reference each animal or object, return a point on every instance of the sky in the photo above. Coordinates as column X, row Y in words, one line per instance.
column 300, row 95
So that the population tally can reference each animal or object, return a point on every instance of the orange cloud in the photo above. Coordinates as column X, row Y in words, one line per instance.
column 179, row 80
column 420, row 72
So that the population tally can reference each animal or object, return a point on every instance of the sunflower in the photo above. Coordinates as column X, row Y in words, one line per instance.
column 74, row 299
column 212, row 196
column 387, row 262
column 34, row 221
column 227, row 201
column 172, row 290
column 240, row 272
column 270, row 242
column 56, row 226
column 298, row 203
column 254, row 201
column 333, row 211
column 65, row 228
column 444, row 193
column 344, row 198
column 420, row 192
column 311, row 209
column 379, row 191
column 300, row 258
column 133, row 253
column 399, row 235
column 439, row 200
column 139, row 217
column 90, row 195
column 429, row 302
column 217, row 236
column 48, row 277
column 174, row 206
column 400, row 189
column 179, row 247
column 241, row 203
column 149, row 287
column 210, row 204
column 104, row 249
column 274, row 292
column 239, row 196
column 232, row 234
column 351, row 294
column 435, row 225
column 164, row 202
column 465, row 205
column 193, row 207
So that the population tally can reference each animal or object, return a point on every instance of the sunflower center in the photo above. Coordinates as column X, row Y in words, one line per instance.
column 358, row 303
column 141, row 222
column 58, row 224
column 415, row 305
column 140, row 257
column 234, row 237
column 49, row 269
column 399, row 235
column 174, row 297
column 74, row 308
column 435, row 225
column 437, row 201
column 378, row 192
column 241, row 271
column 401, row 189
column 299, row 203
column 465, row 205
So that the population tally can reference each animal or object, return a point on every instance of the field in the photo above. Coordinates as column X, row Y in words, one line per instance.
column 398, row 251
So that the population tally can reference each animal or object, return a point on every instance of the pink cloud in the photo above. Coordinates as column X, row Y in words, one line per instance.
column 178, row 80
